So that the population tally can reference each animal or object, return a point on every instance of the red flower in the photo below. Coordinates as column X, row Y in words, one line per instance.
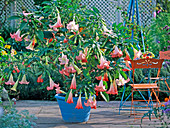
column 50, row 40
column 73, row 83
column 116, row 53
column 70, row 98
column 65, row 41
column 52, row 85
column 39, row 80
column 101, row 87
column 79, row 103
column 113, row 89
column 103, row 63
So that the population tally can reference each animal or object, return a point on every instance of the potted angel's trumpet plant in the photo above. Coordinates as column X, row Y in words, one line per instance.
column 83, row 58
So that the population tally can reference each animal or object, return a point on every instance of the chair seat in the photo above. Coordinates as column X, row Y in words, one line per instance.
column 144, row 86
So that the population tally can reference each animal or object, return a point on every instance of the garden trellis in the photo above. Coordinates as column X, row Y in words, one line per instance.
column 108, row 9
column 14, row 7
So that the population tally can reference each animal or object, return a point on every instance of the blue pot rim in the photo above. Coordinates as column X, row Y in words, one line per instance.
column 62, row 97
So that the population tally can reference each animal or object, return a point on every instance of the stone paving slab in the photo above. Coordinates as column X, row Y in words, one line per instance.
column 105, row 116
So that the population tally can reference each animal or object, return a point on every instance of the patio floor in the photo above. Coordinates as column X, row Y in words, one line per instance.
column 106, row 116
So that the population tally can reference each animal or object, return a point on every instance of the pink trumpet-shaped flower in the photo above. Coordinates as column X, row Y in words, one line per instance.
column 70, row 69
column 108, row 32
column 121, row 80
column 154, row 14
column 58, row 90
column 82, row 56
column 72, row 26
column 73, row 82
column 52, row 85
column 64, row 71
column 79, row 103
column 137, row 54
column 16, row 36
column 116, row 53
column 24, row 81
column 16, row 68
column 113, row 88
column 67, row 70
column 103, row 63
column 70, row 97
column 104, row 79
column 26, row 14
column 91, row 102
column 63, row 60
column 10, row 81
column 101, row 87
column 30, row 46
column 57, row 24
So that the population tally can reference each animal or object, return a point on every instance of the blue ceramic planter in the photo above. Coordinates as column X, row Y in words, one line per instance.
column 68, row 111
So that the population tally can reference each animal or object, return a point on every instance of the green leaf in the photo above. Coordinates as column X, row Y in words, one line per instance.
column 123, row 74
column 66, row 97
column 105, row 83
column 95, row 10
column 23, row 24
column 86, row 96
column 105, row 96
column 14, row 17
column 40, row 35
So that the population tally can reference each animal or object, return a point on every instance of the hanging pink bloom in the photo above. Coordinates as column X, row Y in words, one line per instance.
column 159, row 11
column 127, row 56
column 16, row 68
column 72, row 26
column 67, row 70
column 137, row 54
column 101, row 87
column 71, row 69
column 79, row 103
column 82, row 56
column 25, row 20
column 57, row 24
column 26, row 14
column 30, row 46
column 116, row 53
column 113, row 88
column 16, row 36
column 121, row 80
column 24, row 81
column 73, row 82
column 98, row 77
column 108, row 32
column 52, row 84
column 105, row 78
column 58, row 90
column 63, row 60
column 103, row 63
column 10, row 81
column 70, row 97
column 154, row 14
column 91, row 102
column 64, row 71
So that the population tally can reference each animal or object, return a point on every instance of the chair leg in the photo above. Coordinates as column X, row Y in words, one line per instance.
column 156, row 96
column 168, row 88
column 131, row 103
column 150, row 98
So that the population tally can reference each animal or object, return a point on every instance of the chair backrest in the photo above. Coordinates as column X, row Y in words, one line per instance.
column 146, row 63
column 164, row 55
